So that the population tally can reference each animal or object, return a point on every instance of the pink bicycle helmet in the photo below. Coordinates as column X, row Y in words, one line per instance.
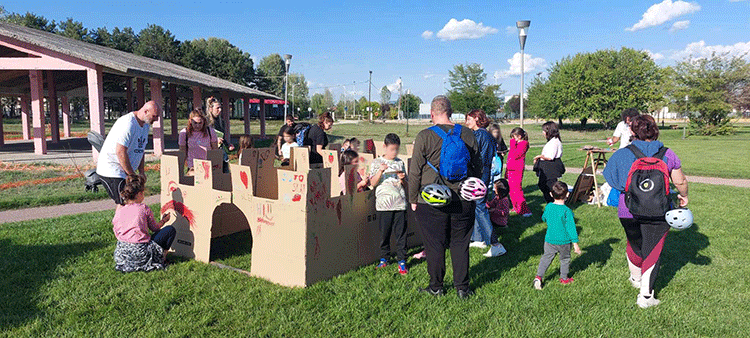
column 472, row 189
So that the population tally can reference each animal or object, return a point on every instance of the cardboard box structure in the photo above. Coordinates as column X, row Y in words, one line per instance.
column 303, row 231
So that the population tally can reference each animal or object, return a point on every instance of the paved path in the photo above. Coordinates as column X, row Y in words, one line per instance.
column 734, row 182
column 19, row 215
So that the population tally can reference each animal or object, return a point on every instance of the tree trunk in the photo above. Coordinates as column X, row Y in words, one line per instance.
column 583, row 122
column 559, row 122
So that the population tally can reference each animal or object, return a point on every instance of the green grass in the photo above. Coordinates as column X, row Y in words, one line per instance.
column 58, row 280
column 55, row 193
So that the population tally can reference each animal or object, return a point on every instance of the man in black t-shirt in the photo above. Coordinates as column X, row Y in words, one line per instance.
column 288, row 125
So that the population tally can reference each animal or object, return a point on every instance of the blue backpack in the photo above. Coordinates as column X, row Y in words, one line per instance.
column 300, row 132
column 454, row 156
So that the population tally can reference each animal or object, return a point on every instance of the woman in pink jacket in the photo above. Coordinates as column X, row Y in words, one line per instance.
column 519, row 145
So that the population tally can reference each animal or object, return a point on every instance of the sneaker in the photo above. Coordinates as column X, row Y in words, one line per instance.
column 636, row 283
column 383, row 263
column 431, row 292
column 566, row 281
column 420, row 255
column 402, row 268
column 496, row 250
column 464, row 294
column 528, row 215
column 644, row 302
column 538, row 283
column 479, row 245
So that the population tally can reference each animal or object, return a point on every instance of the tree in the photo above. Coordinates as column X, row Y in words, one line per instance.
column 709, row 84
column 469, row 90
column 410, row 105
column 298, row 96
column 29, row 20
column 158, row 43
column 124, row 40
column 271, row 72
column 385, row 95
column 74, row 30
column 513, row 106
column 219, row 58
column 597, row 86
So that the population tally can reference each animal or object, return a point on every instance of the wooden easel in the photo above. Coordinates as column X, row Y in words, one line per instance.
column 595, row 157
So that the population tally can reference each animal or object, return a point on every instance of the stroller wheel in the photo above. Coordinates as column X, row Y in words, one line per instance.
column 95, row 189
column 88, row 188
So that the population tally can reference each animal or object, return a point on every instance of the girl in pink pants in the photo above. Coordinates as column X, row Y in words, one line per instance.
column 519, row 145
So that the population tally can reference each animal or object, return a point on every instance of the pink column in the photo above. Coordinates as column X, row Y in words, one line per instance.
column 25, row 118
column 156, row 127
column 66, row 115
column 262, row 116
column 129, row 94
column 225, row 114
column 246, row 106
column 54, row 119
column 173, row 108
column 37, row 111
column 95, row 85
column 197, row 98
column 2, row 134
column 140, row 94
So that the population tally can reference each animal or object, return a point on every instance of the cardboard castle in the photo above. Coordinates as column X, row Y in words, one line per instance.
column 303, row 231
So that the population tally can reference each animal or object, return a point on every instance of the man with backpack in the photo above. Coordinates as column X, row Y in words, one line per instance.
column 445, row 153
column 642, row 171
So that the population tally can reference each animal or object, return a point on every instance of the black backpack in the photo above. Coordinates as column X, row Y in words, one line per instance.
column 647, row 188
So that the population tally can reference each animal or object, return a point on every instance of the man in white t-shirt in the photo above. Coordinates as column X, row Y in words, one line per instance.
column 622, row 132
column 123, row 149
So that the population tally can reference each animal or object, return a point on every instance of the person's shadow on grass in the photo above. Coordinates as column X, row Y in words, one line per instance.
column 26, row 269
column 597, row 254
column 681, row 248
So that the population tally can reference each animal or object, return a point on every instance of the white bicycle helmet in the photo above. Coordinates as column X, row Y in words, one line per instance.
column 436, row 195
column 472, row 189
column 680, row 219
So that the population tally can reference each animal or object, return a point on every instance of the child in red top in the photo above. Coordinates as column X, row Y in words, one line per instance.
column 519, row 145
column 499, row 207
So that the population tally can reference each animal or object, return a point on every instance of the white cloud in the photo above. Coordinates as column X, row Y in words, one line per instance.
column 464, row 29
column 530, row 64
column 679, row 25
column 511, row 31
column 393, row 87
column 654, row 56
column 427, row 35
column 664, row 11
column 699, row 50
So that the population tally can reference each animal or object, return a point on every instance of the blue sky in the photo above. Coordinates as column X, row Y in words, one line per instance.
column 336, row 43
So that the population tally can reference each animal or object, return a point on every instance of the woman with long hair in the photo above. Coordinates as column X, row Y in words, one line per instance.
column 549, row 163
column 483, row 234
column 317, row 138
column 196, row 137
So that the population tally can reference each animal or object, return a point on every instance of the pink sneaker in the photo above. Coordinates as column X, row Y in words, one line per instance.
column 566, row 281
column 420, row 255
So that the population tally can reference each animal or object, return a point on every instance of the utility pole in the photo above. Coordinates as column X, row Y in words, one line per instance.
column 400, row 83
column 369, row 96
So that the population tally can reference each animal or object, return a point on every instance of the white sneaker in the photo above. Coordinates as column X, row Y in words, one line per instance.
column 635, row 282
column 537, row 283
column 495, row 250
column 480, row 245
column 644, row 302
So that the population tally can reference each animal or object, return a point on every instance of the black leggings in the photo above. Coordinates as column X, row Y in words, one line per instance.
column 645, row 243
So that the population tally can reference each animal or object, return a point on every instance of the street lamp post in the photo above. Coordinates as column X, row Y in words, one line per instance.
column 287, row 61
column 687, row 112
column 523, row 29
column 369, row 96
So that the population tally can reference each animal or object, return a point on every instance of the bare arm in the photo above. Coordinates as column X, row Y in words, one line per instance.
column 319, row 149
column 124, row 159
column 680, row 182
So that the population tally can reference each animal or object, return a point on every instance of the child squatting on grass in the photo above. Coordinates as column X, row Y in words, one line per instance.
column 387, row 175
column 561, row 232
column 136, row 250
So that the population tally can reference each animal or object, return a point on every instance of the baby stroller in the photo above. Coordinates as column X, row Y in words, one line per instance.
column 93, row 181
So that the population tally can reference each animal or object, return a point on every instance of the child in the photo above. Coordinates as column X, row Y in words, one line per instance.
column 286, row 148
column 196, row 137
column 497, row 161
column 351, row 157
column 136, row 250
column 387, row 174
column 561, row 232
column 550, row 166
column 246, row 142
column 354, row 144
column 345, row 145
column 519, row 145
column 499, row 205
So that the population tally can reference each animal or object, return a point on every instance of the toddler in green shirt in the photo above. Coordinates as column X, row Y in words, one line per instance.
column 561, row 233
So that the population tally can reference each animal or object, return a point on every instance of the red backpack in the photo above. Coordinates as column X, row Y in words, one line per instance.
column 647, row 188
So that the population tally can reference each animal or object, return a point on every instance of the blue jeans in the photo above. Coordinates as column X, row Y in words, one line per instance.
column 483, row 229
column 164, row 237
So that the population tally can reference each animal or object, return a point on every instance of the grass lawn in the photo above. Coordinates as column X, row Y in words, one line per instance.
column 55, row 193
column 58, row 280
